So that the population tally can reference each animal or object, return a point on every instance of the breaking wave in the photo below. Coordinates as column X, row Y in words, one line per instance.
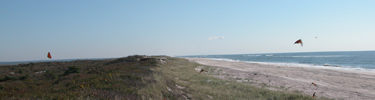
column 324, row 66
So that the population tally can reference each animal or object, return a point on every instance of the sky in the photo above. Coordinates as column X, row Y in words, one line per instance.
column 72, row 29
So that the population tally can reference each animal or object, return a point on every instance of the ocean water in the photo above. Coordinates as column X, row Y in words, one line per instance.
column 352, row 60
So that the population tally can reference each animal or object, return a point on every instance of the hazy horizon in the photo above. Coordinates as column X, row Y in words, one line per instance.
column 111, row 29
column 69, row 59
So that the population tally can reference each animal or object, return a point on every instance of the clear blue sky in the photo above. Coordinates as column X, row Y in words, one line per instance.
column 117, row 28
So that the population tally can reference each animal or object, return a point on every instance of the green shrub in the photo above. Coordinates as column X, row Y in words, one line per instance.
column 49, row 75
column 7, row 78
column 23, row 77
column 72, row 69
column 20, row 71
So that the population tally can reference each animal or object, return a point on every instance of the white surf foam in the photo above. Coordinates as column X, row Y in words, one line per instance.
column 322, row 56
column 347, row 68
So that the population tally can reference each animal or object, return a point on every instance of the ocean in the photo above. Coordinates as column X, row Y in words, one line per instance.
column 348, row 60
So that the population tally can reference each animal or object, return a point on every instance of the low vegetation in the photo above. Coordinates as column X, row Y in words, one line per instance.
column 133, row 78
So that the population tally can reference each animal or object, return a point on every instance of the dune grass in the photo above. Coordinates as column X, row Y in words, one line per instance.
column 81, row 79
column 129, row 78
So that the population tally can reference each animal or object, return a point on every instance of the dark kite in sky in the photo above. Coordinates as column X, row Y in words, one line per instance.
column 299, row 42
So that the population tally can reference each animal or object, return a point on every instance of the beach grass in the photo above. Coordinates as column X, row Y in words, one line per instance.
column 132, row 78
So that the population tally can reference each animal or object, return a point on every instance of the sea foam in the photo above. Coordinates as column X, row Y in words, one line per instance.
column 347, row 68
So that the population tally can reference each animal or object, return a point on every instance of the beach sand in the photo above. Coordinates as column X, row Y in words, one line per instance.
column 331, row 83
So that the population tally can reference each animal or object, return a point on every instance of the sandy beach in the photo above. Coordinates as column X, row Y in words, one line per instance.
column 331, row 83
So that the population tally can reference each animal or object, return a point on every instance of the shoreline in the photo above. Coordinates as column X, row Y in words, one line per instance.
column 331, row 83
column 366, row 70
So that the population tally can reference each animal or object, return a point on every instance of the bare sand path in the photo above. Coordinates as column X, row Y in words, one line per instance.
column 332, row 83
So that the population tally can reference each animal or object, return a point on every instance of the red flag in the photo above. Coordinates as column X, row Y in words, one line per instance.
column 49, row 55
column 299, row 41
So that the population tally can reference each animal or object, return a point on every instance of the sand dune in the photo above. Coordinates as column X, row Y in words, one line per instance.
column 331, row 83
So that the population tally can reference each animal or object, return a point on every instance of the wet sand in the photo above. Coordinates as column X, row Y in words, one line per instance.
column 331, row 83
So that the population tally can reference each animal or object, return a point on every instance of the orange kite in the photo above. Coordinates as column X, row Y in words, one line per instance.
column 314, row 84
column 299, row 42
column 202, row 70
column 314, row 95
column 49, row 55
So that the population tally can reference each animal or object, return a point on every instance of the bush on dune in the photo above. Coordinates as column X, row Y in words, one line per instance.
column 72, row 69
